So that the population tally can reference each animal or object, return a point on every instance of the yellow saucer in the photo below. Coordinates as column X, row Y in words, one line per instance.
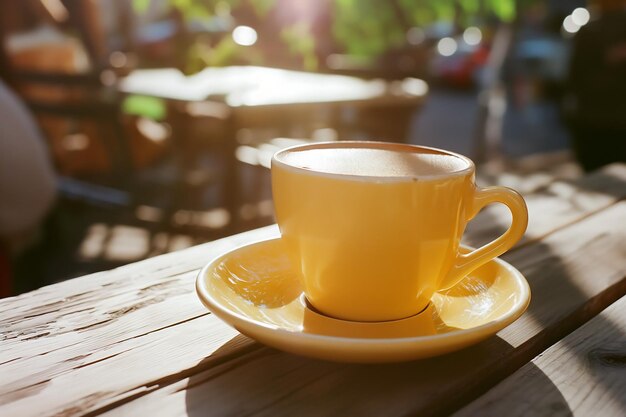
column 254, row 289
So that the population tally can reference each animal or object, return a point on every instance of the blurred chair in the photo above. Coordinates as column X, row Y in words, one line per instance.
column 121, row 167
column 63, row 81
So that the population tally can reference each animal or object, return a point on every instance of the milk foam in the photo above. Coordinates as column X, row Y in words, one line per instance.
column 374, row 162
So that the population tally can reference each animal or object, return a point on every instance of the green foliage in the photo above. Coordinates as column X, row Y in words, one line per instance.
column 470, row 6
column 366, row 27
column 363, row 28
column 202, row 54
column 194, row 9
column 262, row 7
column 505, row 10
column 300, row 41
column 141, row 5
column 443, row 9
column 151, row 107
column 370, row 27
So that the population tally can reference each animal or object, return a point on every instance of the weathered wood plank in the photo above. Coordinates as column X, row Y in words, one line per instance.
column 48, row 339
column 107, row 297
column 531, row 173
column 137, row 364
column 54, row 297
column 54, row 336
column 583, row 375
column 574, row 274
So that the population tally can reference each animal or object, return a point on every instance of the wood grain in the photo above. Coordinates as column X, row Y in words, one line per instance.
column 573, row 273
column 50, row 333
column 91, row 344
column 582, row 375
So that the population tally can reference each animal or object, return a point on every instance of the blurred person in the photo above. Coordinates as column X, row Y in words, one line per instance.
column 27, row 182
column 597, row 85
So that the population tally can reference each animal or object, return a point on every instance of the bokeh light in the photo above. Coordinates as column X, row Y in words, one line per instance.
column 447, row 46
column 580, row 16
column 415, row 36
column 244, row 35
column 472, row 35
column 569, row 25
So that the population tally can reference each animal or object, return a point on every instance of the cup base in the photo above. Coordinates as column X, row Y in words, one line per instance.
column 311, row 307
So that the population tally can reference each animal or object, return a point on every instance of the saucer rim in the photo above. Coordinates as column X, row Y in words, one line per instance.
column 490, row 327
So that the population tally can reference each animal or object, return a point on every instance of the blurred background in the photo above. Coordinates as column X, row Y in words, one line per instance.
column 134, row 128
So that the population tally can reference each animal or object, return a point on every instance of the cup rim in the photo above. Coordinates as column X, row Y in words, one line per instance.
column 276, row 161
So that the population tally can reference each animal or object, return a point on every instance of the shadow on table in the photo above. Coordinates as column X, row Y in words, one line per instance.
column 544, row 267
column 267, row 381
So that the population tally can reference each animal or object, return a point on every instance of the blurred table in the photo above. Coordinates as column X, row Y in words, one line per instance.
column 260, row 96
column 137, row 341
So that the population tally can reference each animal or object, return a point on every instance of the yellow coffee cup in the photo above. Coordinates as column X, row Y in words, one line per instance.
column 375, row 228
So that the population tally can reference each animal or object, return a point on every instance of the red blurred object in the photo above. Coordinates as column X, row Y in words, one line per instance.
column 462, row 68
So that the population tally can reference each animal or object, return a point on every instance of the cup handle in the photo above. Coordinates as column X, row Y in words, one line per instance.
column 466, row 263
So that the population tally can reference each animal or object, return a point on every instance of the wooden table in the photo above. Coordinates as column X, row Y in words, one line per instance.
column 136, row 341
